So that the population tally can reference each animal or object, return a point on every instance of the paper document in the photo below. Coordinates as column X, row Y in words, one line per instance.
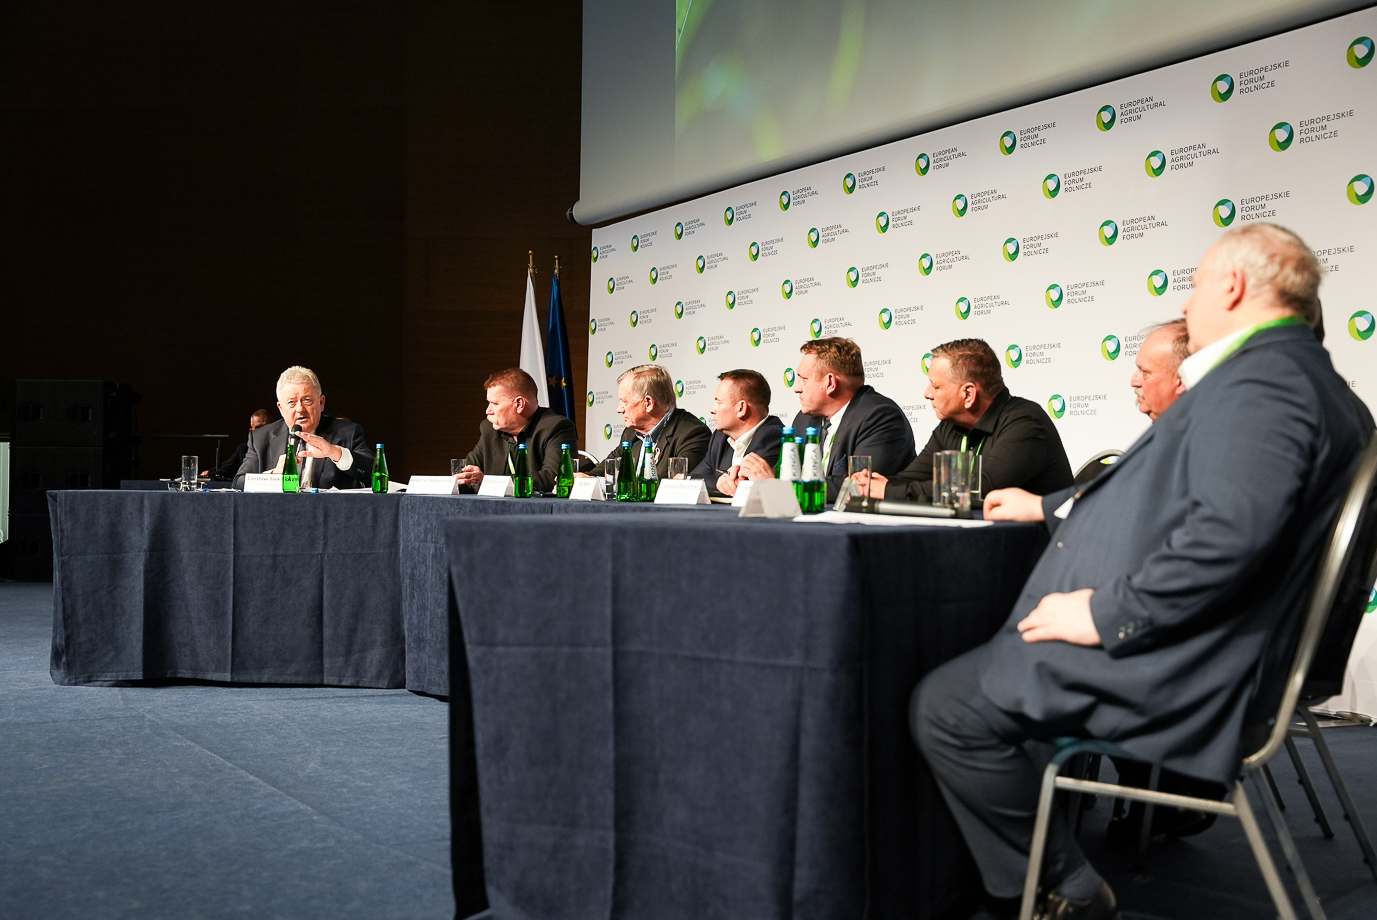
column 887, row 520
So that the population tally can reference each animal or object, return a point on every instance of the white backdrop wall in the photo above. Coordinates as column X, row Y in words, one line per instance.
column 1056, row 232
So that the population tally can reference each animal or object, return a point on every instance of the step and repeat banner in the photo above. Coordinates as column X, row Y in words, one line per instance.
column 1056, row 232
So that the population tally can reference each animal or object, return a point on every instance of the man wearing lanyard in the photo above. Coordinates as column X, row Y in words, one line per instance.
column 1169, row 581
column 654, row 422
column 513, row 417
column 1016, row 441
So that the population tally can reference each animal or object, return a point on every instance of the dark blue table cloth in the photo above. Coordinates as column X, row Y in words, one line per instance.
column 693, row 716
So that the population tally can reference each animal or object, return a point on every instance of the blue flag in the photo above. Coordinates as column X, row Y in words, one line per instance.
column 558, row 371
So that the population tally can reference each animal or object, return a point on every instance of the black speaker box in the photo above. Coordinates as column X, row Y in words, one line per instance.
column 71, row 413
column 35, row 470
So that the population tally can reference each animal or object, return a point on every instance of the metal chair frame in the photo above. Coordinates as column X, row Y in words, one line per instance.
column 1096, row 461
column 1338, row 569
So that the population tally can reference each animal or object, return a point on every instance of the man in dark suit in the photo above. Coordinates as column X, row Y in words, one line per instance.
column 1015, row 439
column 331, row 453
column 515, row 418
column 1170, row 580
column 851, row 418
column 230, row 467
column 741, row 409
column 645, row 398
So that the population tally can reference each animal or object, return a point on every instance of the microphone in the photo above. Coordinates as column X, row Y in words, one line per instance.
column 300, row 441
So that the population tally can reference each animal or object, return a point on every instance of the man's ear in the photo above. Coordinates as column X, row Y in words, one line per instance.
column 1236, row 286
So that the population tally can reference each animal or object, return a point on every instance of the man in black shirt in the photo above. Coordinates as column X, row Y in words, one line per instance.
column 1015, row 439
column 515, row 418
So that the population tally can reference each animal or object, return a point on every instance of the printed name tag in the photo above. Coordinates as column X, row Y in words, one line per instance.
column 682, row 492
column 496, row 486
column 773, row 498
column 432, row 485
column 262, row 482
column 588, row 490
column 743, row 493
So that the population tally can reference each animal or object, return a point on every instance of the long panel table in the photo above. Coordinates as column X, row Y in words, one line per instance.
column 697, row 717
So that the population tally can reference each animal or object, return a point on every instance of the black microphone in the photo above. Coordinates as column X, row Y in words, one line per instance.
column 300, row 441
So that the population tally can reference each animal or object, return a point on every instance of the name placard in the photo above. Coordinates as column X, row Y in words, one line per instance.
column 773, row 498
column 743, row 493
column 432, row 485
column 682, row 492
column 262, row 482
column 588, row 489
column 496, row 486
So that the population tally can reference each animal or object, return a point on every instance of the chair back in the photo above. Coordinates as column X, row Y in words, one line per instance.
column 1096, row 465
column 1343, row 583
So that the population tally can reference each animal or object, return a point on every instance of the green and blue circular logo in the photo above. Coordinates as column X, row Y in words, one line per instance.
column 1222, row 88
column 678, row 309
column 755, row 338
column 1157, row 282
column 926, row 362
column 753, row 251
column 1056, row 405
column 1105, row 117
column 728, row 216
column 925, row 264
column 607, row 359
column 1008, row 143
column 654, row 274
column 1010, row 249
column 635, row 241
column 849, row 183
column 595, row 254
column 963, row 308
column 853, row 277
column 1053, row 296
column 1360, row 325
column 1224, row 212
column 1360, row 189
column 1281, row 136
column 679, row 388
column 922, row 164
column 607, row 432
column 815, row 328
column 789, row 377
column 787, row 289
column 634, row 317
column 700, row 263
column 784, row 200
column 1109, row 233
column 701, row 344
column 1051, row 185
column 1359, row 53
column 814, row 238
column 731, row 300
column 882, row 222
column 1013, row 356
column 592, row 327
column 591, row 398
column 679, row 230
column 611, row 285
column 1110, row 347
column 959, row 205
column 1155, row 163
column 886, row 318
column 1371, row 601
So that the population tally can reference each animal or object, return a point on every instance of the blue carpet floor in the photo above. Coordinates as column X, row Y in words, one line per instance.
column 235, row 802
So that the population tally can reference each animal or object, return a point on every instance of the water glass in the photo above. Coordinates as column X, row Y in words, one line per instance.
column 456, row 467
column 190, row 471
column 855, row 465
column 952, row 480
column 678, row 467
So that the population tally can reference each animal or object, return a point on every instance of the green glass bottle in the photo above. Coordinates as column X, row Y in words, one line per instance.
column 380, row 471
column 799, row 441
column 814, row 485
column 649, row 477
column 521, row 480
column 627, row 490
column 291, row 476
column 565, row 483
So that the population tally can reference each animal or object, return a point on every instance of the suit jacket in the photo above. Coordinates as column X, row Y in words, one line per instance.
column 269, row 442
column 765, row 442
column 682, row 436
column 1200, row 545
column 544, row 433
column 874, row 426
column 230, row 467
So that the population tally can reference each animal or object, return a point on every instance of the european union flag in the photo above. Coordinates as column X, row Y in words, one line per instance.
column 558, row 372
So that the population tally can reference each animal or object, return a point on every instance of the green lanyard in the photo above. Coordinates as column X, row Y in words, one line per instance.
column 1270, row 324
column 977, row 447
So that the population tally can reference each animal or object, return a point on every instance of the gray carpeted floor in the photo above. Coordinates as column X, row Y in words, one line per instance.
column 235, row 802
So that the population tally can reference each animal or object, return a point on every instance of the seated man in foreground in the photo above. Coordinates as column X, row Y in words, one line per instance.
column 1171, row 577
column 1016, row 441
column 654, row 421
column 741, row 409
column 515, row 418
column 331, row 453
column 851, row 418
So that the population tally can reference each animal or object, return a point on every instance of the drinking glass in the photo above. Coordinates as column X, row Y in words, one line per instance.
column 977, row 491
column 190, row 471
column 952, row 480
column 456, row 467
column 678, row 467
column 855, row 465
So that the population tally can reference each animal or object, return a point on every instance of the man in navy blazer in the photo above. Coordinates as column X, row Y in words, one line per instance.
column 1172, row 580
column 741, row 410
column 851, row 418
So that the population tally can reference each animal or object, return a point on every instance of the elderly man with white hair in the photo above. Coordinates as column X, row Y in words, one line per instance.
column 331, row 453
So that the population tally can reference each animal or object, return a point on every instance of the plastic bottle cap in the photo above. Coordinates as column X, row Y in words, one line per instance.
column 521, row 447
column 811, row 431
column 380, row 447
column 564, row 447
column 788, row 429
column 626, row 444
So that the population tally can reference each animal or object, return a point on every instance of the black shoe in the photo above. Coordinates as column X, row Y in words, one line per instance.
column 1056, row 906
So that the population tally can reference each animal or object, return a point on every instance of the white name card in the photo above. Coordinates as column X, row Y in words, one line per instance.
column 431, row 485
column 588, row 489
column 262, row 482
column 496, row 486
column 773, row 498
column 742, row 494
column 682, row 492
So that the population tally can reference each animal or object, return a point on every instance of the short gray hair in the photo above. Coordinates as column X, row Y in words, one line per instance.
column 651, row 380
column 1180, row 337
column 1272, row 257
column 297, row 374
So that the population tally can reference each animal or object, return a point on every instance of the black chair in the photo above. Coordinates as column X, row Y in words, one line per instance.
column 1343, row 581
column 1096, row 465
